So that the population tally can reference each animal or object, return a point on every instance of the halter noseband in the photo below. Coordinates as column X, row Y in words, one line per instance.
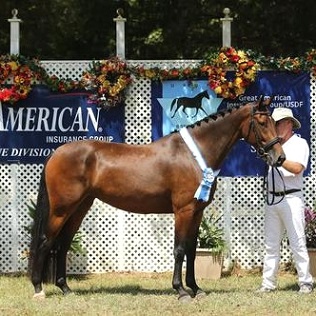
column 262, row 150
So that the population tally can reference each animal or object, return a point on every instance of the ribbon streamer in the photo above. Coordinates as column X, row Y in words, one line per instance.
column 209, row 175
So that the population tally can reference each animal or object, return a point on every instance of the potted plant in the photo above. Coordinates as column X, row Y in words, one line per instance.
column 310, row 233
column 210, row 249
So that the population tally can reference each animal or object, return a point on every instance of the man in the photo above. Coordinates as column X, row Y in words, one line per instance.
column 287, row 206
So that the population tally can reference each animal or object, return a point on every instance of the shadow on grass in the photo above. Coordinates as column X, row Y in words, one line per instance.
column 125, row 289
column 291, row 287
column 135, row 290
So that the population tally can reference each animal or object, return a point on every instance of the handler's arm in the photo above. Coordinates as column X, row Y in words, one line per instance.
column 292, row 166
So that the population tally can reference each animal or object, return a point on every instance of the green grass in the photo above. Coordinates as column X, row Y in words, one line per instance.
column 151, row 294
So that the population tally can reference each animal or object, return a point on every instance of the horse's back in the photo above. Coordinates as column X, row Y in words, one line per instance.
column 119, row 174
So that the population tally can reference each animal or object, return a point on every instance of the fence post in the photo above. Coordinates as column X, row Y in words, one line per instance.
column 226, row 28
column 14, row 33
column 120, row 34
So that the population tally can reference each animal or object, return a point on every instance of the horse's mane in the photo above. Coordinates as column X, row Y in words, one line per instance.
column 216, row 115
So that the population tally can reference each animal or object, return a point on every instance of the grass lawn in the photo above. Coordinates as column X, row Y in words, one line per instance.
column 151, row 294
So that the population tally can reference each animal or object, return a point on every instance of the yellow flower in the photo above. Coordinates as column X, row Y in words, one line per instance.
column 245, row 73
column 242, row 55
column 238, row 81
column 218, row 90
column 14, row 66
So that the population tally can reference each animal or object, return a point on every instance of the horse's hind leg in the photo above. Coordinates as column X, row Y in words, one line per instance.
column 41, row 248
column 64, row 240
column 38, row 260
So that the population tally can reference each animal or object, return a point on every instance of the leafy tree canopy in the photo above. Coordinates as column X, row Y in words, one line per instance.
column 158, row 29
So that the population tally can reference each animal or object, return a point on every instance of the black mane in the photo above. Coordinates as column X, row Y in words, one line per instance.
column 215, row 116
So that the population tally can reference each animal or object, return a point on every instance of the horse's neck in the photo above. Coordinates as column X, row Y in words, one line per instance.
column 216, row 138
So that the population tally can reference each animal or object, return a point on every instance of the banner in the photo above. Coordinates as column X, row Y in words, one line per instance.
column 170, row 111
column 33, row 128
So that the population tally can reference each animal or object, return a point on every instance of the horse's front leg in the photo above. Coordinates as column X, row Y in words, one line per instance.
column 187, row 223
column 190, row 271
column 177, row 283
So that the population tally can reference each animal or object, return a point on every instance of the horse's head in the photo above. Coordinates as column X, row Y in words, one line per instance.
column 205, row 94
column 261, row 133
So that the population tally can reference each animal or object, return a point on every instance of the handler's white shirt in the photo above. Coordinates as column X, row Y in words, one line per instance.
column 296, row 149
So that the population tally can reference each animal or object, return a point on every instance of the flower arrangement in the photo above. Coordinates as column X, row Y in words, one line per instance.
column 310, row 228
column 20, row 74
column 311, row 60
column 216, row 70
column 167, row 74
column 109, row 78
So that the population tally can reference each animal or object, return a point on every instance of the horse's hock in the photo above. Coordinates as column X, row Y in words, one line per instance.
column 121, row 241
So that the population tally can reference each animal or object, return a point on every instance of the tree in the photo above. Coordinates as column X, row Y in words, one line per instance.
column 158, row 29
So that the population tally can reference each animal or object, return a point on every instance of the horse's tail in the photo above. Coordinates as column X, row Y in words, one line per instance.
column 38, row 235
column 173, row 103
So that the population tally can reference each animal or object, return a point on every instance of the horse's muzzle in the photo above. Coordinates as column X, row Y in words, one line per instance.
column 280, row 160
column 272, row 159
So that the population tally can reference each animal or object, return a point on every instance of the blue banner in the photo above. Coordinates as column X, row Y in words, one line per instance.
column 33, row 128
column 175, row 104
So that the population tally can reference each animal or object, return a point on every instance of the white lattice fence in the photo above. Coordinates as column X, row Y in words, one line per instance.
column 120, row 241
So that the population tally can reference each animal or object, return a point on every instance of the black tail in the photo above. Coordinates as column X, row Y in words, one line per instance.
column 173, row 103
column 38, row 230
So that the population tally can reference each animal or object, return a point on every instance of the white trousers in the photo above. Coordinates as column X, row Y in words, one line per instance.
column 288, row 215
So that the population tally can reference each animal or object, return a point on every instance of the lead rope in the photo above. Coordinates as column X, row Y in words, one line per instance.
column 265, row 186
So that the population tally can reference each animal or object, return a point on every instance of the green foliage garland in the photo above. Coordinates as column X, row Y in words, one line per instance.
column 108, row 80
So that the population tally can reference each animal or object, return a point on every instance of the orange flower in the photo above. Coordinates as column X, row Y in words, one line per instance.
column 109, row 78
column 245, row 73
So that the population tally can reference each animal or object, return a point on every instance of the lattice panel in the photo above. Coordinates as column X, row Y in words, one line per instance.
column 138, row 113
column 118, row 241
column 8, row 220
column 67, row 69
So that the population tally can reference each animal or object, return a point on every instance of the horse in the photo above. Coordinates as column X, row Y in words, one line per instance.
column 185, row 102
column 77, row 173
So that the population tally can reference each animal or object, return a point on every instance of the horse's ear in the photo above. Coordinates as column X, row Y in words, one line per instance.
column 264, row 103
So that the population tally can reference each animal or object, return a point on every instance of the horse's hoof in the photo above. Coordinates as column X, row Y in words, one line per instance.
column 185, row 299
column 39, row 296
column 200, row 295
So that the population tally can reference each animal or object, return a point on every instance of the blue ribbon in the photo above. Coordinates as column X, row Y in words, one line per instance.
column 204, row 190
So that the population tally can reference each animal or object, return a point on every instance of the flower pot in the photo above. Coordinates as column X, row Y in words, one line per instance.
column 312, row 261
column 208, row 265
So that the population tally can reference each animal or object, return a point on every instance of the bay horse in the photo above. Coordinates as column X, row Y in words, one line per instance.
column 164, row 182
column 186, row 102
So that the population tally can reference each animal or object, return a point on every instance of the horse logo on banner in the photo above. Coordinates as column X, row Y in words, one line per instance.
column 185, row 103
